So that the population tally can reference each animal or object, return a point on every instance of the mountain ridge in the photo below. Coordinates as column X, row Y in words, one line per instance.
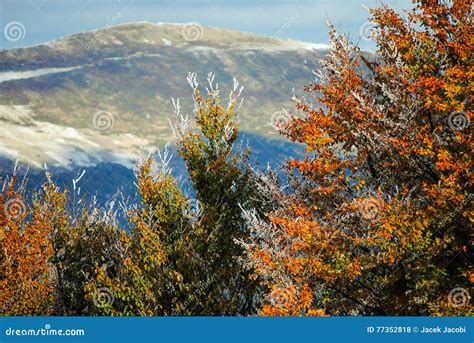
column 105, row 98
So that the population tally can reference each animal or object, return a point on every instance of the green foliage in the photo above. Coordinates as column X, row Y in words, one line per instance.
column 180, row 256
column 222, row 181
column 150, row 279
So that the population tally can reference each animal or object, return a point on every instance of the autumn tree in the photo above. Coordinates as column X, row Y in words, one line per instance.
column 221, row 178
column 152, row 276
column 180, row 257
column 376, row 221
column 81, row 237
column 48, row 254
column 25, row 248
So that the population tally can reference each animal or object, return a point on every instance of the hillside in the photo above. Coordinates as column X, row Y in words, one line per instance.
column 105, row 96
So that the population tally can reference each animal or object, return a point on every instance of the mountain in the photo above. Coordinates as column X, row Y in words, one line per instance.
column 105, row 179
column 104, row 97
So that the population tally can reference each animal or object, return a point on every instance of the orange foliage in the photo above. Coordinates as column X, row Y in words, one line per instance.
column 24, row 253
column 378, row 220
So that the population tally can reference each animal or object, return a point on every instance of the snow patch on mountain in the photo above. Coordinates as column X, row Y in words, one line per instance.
column 42, row 142
column 19, row 75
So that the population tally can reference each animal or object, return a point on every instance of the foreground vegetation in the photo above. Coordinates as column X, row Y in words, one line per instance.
column 375, row 220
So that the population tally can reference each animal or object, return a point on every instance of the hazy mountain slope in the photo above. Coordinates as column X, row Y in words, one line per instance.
column 104, row 96
column 104, row 179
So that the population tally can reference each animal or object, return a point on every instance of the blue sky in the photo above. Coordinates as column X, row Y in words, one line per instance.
column 45, row 20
